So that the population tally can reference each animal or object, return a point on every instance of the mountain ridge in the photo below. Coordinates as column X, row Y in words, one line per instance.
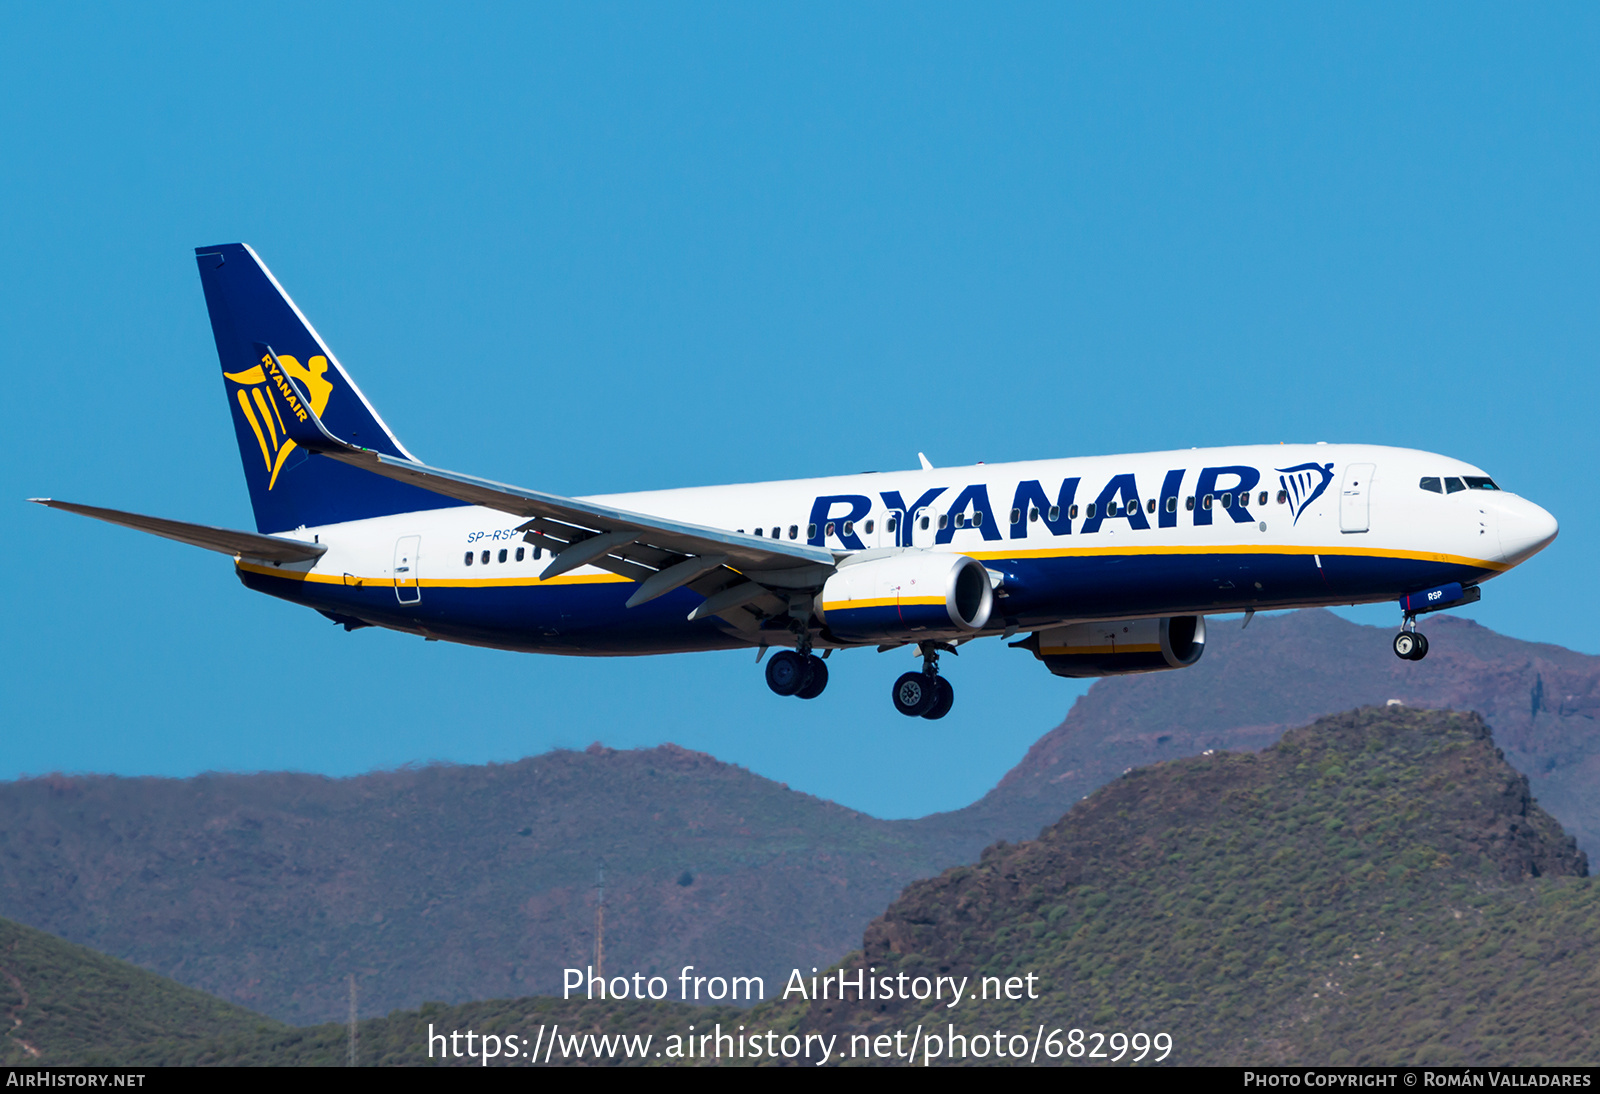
column 459, row 882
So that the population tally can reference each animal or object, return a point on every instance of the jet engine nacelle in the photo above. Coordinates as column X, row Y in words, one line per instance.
column 1121, row 646
column 907, row 596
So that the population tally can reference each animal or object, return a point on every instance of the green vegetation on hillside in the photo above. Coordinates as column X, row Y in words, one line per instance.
column 1289, row 669
column 1376, row 888
column 64, row 1004
column 445, row 882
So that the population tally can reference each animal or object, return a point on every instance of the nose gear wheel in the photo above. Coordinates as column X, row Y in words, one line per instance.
column 1411, row 645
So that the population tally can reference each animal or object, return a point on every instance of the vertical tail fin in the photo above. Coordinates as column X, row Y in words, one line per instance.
column 289, row 487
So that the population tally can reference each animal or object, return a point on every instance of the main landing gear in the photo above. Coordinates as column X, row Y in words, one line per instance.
column 1410, row 644
column 801, row 674
column 925, row 694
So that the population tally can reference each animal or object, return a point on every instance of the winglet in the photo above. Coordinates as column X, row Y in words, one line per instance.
column 301, row 424
column 926, row 466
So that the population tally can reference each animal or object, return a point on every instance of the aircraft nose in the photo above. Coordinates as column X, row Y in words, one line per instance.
column 1525, row 530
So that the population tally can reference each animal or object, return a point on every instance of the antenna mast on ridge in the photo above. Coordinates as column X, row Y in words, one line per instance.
column 352, row 1061
column 600, row 923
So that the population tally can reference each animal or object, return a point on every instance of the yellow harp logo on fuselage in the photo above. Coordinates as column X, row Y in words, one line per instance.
column 262, row 391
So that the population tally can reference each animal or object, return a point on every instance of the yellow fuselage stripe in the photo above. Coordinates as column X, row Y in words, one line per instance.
column 880, row 602
column 1045, row 552
column 432, row 582
column 1242, row 549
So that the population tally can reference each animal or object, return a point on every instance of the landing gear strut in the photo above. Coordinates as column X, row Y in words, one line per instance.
column 1410, row 644
column 925, row 694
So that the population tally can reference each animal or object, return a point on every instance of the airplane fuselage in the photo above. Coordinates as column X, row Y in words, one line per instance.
column 1195, row 531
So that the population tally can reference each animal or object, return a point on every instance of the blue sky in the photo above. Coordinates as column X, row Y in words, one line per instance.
column 604, row 248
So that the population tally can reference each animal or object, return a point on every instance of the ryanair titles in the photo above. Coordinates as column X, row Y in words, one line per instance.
column 1233, row 490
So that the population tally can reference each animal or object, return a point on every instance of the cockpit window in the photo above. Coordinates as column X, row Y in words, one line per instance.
column 1453, row 486
column 1432, row 484
column 1479, row 483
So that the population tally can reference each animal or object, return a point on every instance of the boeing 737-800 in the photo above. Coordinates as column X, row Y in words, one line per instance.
column 1104, row 564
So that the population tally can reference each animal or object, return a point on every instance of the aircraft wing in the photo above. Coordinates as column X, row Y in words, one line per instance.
column 224, row 540
column 743, row 577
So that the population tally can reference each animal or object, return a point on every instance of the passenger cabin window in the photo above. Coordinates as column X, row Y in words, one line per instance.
column 1088, row 510
column 1283, row 497
column 1227, row 501
column 1172, row 505
column 1016, row 516
column 811, row 531
column 1261, row 499
column 538, row 553
column 468, row 559
column 1111, row 509
column 891, row 523
column 961, row 520
column 1475, row 482
column 485, row 559
column 794, row 531
column 1205, row 502
column 759, row 532
column 1189, row 502
column 1055, row 513
column 1431, row 483
column 869, row 527
column 924, row 523
column 849, row 527
column 1453, row 486
column 519, row 553
column 1151, row 507
column 503, row 554
column 944, row 520
column 977, row 519
column 828, row 529
column 1033, row 513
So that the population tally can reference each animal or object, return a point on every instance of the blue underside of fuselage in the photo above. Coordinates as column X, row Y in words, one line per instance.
column 590, row 618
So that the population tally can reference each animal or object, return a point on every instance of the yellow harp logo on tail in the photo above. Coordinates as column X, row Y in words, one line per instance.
column 265, row 397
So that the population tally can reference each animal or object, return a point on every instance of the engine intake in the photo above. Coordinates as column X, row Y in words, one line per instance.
column 907, row 596
column 1121, row 646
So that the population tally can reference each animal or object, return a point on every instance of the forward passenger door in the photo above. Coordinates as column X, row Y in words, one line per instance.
column 1354, row 497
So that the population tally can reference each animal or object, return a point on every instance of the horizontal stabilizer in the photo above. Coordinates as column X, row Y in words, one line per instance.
column 227, row 541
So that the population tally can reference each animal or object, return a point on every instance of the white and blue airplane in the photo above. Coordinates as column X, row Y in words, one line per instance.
column 1106, row 564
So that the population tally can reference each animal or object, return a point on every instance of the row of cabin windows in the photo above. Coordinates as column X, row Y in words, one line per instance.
column 794, row 531
column 1454, row 485
column 1052, row 515
column 505, row 555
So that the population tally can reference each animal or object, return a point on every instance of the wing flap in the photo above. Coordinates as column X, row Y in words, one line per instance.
column 544, row 511
column 659, row 553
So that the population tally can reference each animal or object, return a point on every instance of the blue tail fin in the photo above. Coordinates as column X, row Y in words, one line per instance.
column 289, row 487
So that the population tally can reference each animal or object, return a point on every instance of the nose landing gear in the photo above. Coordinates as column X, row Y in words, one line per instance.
column 1410, row 644
column 925, row 694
